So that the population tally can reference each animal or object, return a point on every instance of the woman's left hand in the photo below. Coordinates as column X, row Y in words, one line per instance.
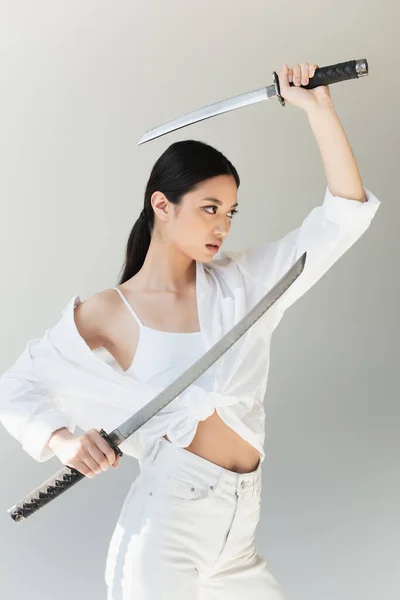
column 300, row 74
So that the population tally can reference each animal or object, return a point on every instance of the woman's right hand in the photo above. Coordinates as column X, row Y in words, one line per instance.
column 88, row 453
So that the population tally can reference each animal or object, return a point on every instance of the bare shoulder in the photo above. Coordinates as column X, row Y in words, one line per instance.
column 93, row 317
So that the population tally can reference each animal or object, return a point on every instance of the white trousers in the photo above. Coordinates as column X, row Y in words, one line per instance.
column 186, row 532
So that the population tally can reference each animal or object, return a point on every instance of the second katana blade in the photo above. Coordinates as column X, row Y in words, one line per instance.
column 352, row 69
column 212, row 110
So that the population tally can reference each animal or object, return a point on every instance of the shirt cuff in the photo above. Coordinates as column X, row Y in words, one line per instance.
column 350, row 214
column 39, row 431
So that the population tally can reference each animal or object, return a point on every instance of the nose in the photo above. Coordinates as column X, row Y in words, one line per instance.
column 222, row 227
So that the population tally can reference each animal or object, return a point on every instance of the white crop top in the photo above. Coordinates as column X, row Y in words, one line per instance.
column 160, row 358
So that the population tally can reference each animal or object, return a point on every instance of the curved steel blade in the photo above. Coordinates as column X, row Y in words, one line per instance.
column 264, row 93
column 132, row 424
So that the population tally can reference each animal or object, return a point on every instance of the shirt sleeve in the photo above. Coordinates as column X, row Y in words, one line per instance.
column 29, row 410
column 327, row 232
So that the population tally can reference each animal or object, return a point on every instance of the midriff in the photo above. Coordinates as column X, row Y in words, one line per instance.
column 219, row 444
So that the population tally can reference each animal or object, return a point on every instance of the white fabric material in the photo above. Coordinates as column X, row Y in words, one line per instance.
column 58, row 381
column 160, row 358
column 186, row 529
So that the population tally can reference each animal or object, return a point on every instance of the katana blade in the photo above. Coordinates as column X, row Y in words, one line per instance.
column 132, row 424
column 211, row 110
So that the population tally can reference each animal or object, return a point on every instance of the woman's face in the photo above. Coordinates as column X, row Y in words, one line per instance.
column 203, row 217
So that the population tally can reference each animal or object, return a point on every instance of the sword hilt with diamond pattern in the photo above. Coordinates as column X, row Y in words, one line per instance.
column 58, row 483
column 351, row 69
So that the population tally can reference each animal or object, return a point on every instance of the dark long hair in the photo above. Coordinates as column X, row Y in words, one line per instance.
column 178, row 170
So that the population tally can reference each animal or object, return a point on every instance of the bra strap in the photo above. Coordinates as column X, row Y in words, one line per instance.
column 129, row 307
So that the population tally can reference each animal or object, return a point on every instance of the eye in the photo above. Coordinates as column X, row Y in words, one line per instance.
column 233, row 211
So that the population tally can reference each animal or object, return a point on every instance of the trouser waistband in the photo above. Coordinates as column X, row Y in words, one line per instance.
column 171, row 457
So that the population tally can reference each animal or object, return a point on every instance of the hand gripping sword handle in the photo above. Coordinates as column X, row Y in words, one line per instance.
column 352, row 69
column 58, row 483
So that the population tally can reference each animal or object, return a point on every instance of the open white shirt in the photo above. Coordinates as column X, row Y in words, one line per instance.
column 58, row 381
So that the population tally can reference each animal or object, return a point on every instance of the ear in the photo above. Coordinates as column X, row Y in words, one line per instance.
column 161, row 206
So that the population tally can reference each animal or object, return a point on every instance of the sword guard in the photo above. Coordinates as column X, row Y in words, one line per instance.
column 278, row 88
column 110, row 442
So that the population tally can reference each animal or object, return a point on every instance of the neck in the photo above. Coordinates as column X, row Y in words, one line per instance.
column 166, row 268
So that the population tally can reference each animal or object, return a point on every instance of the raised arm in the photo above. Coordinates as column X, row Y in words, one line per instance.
column 331, row 228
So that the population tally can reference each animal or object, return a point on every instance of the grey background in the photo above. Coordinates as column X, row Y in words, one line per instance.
column 81, row 82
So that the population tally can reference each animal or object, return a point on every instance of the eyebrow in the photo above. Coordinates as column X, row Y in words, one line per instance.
column 219, row 201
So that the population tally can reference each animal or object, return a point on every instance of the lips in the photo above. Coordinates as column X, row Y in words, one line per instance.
column 213, row 247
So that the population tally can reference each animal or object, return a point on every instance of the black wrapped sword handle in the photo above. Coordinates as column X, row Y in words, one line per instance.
column 351, row 69
column 58, row 483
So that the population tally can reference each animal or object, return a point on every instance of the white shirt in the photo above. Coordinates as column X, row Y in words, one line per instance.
column 58, row 381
